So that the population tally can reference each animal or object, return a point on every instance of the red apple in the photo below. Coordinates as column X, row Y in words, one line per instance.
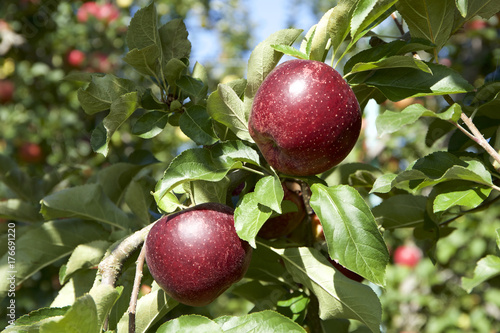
column 6, row 91
column 30, row 152
column 407, row 255
column 305, row 118
column 196, row 254
column 284, row 224
column 76, row 58
column 107, row 13
column 99, row 62
column 474, row 25
column 88, row 8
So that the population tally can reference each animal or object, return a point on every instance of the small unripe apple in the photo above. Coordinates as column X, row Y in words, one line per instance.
column 284, row 224
column 407, row 255
column 30, row 152
column 76, row 58
column 317, row 229
column 6, row 91
column 196, row 254
column 305, row 118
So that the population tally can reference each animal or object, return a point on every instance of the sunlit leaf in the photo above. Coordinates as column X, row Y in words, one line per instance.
column 486, row 268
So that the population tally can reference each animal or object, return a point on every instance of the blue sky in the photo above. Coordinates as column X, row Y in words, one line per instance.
column 267, row 16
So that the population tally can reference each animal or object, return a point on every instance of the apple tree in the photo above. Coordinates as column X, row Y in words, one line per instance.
column 251, row 229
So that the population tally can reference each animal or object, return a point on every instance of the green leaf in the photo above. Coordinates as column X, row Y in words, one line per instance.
column 366, row 12
column 115, row 178
column 486, row 268
column 263, row 59
column 409, row 82
column 401, row 211
column 205, row 191
column 174, row 40
column 269, row 193
column 473, row 8
column 88, row 202
column 383, row 184
column 139, row 199
column 458, row 193
column 392, row 62
column 432, row 20
column 264, row 297
column 194, row 88
column 150, row 308
column 383, row 51
column 143, row 29
column 120, row 110
column 31, row 322
column 150, row 124
column 105, row 296
column 249, row 217
column 145, row 60
column 318, row 41
column 440, row 167
column 102, row 92
column 350, row 230
column 462, row 7
column 80, row 318
column 173, row 71
column 390, row 121
column 84, row 256
column 197, row 125
column 190, row 323
column 337, row 27
column 210, row 164
column 338, row 296
column 43, row 244
column 225, row 107
column 16, row 179
column 79, row 283
column 364, row 94
column 264, row 321
column 289, row 50
column 19, row 210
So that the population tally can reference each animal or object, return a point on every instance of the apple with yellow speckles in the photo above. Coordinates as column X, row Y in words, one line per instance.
column 305, row 118
column 195, row 255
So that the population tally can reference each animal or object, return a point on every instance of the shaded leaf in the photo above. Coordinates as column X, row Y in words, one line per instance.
column 88, row 202
column 32, row 321
column 392, row 62
column 366, row 12
column 145, row 60
column 197, row 125
column 401, row 211
column 150, row 124
column 46, row 243
column 80, row 318
column 84, row 256
column 174, row 40
column 143, row 30
column 102, row 92
column 338, row 296
column 120, row 110
column 16, row 179
column 432, row 20
column 19, row 210
column 408, row 82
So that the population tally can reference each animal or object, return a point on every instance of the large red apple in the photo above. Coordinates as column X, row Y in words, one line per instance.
column 305, row 118
column 284, row 224
column 196, row 254
column 407, row 255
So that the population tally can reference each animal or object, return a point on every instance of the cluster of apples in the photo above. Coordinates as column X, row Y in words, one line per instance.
column 106, row 13
column 305, row 119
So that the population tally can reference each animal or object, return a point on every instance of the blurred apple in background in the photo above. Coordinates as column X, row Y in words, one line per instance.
column 407, row 255
column 6, row 91
column 76, row 58
column 30, row 152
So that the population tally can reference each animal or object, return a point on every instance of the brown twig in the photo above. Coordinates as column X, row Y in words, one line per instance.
column 398, row 24
column 135, row 291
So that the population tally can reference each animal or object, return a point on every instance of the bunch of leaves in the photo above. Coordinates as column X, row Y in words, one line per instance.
column 291, row 277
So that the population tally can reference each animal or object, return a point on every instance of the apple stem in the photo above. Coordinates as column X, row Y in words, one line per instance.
column 135, row 291
column 398, row 24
